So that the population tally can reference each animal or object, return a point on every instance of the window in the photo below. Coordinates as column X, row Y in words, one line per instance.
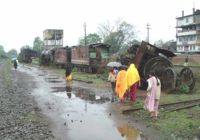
column 104, row 53
column 92, row 53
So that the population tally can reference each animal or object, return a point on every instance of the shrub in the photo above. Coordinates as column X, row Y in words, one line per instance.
column 184, row 88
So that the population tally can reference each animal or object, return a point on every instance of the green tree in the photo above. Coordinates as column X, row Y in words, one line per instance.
column 25, row 47
column 12, row 53
column 38, row 45
column 90, row 39
column 118, row 36
column 2, row 51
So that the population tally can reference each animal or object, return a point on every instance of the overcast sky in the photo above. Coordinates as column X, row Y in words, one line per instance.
column 23, row 20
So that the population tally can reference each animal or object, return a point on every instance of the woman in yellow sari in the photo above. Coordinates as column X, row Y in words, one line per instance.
column 133, row 81
column 121, row 84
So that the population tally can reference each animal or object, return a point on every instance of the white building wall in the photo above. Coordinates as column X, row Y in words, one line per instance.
column 185, row 21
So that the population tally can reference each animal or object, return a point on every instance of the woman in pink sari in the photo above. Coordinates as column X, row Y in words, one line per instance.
column 153, row 95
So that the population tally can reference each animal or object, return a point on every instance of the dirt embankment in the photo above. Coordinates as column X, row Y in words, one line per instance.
column 192, row 59
column 20, row 117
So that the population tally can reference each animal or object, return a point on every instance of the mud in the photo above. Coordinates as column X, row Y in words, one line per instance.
column 55, row 110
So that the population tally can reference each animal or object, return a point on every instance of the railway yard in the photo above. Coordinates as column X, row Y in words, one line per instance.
column 178, row 116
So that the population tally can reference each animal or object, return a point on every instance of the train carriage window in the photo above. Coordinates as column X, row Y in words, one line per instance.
column 92, row 53
column 104, row 53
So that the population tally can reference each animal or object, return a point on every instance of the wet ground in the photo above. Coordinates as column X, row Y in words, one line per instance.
column 77, row 110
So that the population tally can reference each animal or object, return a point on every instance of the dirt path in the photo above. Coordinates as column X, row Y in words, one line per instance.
column 26, row 97
column 20, row 116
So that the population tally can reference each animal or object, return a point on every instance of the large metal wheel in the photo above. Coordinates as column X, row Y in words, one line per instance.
column 169, row 79
column 187, row 77
column 163, row 69
column 158, row 65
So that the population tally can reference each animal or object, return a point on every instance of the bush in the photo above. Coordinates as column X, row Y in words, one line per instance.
column 184, row 89
column 75, row 69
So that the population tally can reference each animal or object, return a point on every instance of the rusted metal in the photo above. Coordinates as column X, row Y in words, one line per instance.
column 57, row 56
column 186, row 77
column 60, row 56
column 150, row 58
column 90, row 58
column 26, row 55
column 170, row 106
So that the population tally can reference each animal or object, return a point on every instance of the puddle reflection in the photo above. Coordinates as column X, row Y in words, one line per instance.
column 129, row 133
column 85, row 112
column 81, row 93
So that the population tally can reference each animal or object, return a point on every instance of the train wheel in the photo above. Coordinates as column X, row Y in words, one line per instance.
column 169, row 77
column 187, row 77
column 158, row 65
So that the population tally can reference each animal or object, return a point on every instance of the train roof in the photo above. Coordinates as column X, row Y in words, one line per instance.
column 99, row 44
column 94, row 45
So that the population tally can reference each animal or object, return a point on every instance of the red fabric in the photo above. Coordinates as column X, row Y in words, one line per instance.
column 132, row 92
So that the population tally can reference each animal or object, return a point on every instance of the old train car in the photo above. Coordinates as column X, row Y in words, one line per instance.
column 90, row 58
column 148, row 58
column 26, row 55
column 59, row 56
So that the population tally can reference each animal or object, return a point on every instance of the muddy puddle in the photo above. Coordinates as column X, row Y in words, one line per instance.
column 87, row 118
column 78, row 112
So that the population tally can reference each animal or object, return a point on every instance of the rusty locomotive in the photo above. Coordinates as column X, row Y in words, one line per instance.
column 90, row 58
column 148, row 57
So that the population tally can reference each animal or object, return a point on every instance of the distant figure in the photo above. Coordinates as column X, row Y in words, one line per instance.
column 133, row 82
column 121, row 83
column 153, row 95
column 112, row 80
column 15, row 64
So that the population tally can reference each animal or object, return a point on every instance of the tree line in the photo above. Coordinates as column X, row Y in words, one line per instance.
column 120, row 35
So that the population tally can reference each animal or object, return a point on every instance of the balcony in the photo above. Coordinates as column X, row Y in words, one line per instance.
column 185, row 33
column 185, row 43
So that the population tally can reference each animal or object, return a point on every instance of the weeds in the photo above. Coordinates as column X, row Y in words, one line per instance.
column 7, row 73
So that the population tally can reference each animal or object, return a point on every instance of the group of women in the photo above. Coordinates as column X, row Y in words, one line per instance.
column 126, row 82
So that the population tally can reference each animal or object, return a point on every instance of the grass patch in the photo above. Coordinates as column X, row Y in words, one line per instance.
column 7, row 73
column 181, row 124
column 35, row 61
column 88, row 77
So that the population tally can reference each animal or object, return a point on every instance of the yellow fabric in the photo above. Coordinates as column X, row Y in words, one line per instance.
column 68, row 78
column 121, row 84
column 129, row 132
column 132, row 76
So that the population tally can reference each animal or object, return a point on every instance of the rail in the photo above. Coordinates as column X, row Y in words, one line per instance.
column 171, row 106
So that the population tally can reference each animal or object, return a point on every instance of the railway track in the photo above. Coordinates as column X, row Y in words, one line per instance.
column 176, row 106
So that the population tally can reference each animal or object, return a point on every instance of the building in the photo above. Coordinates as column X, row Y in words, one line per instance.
column 53, row 38
column 188, row 32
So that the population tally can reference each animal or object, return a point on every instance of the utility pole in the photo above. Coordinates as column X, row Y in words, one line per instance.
column 148, row 27
column 85, row 33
